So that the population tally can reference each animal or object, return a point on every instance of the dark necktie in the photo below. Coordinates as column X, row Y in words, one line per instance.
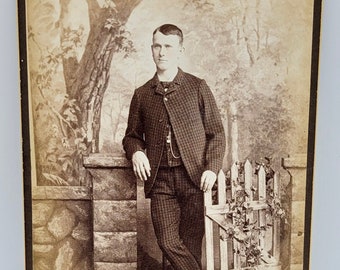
column 166, row 85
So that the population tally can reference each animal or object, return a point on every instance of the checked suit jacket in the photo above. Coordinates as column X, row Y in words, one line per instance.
column 190, row 107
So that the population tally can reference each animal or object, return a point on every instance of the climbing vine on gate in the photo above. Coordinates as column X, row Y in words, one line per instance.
column 241, row 222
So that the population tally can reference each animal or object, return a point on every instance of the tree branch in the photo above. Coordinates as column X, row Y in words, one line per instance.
column 63, row 10
column 124, row 8
column 70, row 64
column 94, row 12
column 58, row 115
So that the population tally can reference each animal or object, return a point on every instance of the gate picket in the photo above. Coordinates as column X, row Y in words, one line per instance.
column 261, row 225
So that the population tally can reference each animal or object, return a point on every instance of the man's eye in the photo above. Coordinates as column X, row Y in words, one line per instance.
column 156, row 46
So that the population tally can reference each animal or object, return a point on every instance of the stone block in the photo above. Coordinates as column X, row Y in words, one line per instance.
column 42, row 250
column 41, row 212
column 295, row 161
column 296, row 249
column 298, row 184
column 82, row 209
column 82, row 232
column 84, row 264
column 296, row 267
column 42, row 236
column 61, row 193
column 105, row 160
column 115, row 216
column 115, row 247
column 298, row 216
column 115, row 266
column 69, row 252
column 114, row 184
column 42, row 264
column 62, row 223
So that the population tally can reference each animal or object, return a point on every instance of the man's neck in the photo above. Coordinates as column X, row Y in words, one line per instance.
column 167, row 75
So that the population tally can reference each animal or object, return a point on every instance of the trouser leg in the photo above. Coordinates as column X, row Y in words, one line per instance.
column 177, row 215
column 165, row 212
column 192, row 224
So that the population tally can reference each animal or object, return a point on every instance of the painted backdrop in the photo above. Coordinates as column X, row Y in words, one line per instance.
column 86, row 57
column 255, row 56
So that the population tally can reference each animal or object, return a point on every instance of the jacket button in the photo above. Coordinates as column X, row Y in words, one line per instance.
column 165, row 99
column 160, row 120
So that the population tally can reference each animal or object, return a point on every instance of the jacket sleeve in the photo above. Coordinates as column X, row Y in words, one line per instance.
column 134, row 135
column 215, row 136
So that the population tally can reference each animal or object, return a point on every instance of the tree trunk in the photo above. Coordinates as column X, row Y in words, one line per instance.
column 87, row 80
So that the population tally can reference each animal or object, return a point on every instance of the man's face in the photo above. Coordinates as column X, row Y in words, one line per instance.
column 166, row 51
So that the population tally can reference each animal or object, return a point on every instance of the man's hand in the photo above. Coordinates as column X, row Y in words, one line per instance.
column 141, row 165
column 207, row 180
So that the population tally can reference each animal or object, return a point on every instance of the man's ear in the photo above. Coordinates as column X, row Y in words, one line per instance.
column 182, row 50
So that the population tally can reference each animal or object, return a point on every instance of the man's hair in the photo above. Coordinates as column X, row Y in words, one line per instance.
column 170, row 29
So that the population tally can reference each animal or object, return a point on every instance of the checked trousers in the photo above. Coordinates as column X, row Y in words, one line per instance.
column 177, row 211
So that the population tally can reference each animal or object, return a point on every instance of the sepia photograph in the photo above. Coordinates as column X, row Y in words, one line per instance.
column 168, row 134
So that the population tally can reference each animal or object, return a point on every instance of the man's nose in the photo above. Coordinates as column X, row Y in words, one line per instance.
column 162, row 51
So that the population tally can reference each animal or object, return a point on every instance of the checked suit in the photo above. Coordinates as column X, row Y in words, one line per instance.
column 190, row 108
column 195, row 120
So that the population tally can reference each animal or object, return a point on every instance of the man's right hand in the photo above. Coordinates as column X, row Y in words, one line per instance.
column 141, row 165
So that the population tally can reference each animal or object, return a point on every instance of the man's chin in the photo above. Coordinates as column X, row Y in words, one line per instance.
column 162, row 67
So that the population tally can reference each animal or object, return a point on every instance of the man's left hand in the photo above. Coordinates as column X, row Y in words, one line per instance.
column 208, row 179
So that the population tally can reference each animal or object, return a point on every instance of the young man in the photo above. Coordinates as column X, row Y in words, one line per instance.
column 176, row 141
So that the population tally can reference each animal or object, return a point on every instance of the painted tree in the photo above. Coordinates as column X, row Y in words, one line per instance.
column 75, row 116
column 246, row 66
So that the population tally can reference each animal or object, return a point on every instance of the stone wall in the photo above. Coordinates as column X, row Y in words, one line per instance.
column 116, row 194
column 297, row 167
column 85, row 228
column 114, row 212
column 62, row 228
column 82, row 228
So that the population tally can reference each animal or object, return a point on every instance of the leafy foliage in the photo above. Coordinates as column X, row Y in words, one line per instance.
column 110, row 4
column 241, row 221
column 60, row 136
column 246, row 65
column 62, row 142
column 72, row 40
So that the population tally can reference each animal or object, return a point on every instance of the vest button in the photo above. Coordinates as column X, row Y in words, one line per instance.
column 165, row 99
column 160, row 120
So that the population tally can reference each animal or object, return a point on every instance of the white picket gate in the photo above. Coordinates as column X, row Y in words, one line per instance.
column 247, row 220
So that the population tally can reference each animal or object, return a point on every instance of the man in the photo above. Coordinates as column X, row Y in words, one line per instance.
column 176, row 141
